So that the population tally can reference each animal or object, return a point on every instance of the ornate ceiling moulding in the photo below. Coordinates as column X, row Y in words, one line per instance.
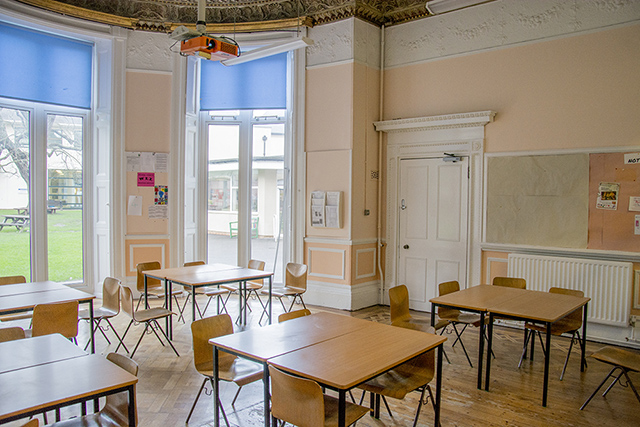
column 224, row 15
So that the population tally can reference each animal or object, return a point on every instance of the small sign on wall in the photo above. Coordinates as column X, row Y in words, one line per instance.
column 146, row 179
column 632, row 159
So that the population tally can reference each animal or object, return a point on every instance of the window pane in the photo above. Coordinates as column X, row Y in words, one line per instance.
column 223, row 193
column 15, row 258
column 64, row 199
column 267, row 195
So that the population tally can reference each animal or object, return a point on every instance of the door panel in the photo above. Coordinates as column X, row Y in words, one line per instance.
column 432, row 226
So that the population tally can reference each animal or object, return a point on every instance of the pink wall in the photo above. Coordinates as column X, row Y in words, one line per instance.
column 575, row 92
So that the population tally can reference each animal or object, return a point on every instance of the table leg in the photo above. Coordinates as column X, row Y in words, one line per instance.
column 146, row 296
column 270, row 299
column 547, row 355
column 132, row 406
column 342, row 408
column 240, row 311
column 93, row 332
column 583, row 361
column 267, row 397
column 489, row 344
column 216, row 387
column 433, row 315
column 168, row 285
column 193, row 304
column 481, row 348
column 436, row 406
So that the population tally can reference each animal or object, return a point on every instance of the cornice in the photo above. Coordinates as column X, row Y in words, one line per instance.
column 447, row 121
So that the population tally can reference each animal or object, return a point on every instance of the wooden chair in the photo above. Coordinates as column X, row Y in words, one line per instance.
column 415, row 374
column 571, row 324
column 456, row 317
column 155, row 287
column 293, row 315
column 55, row 318
column 300, row 401
column 510, row 282
column 230, row 368
column 148, row 316
column 252, row 286
column 110, row 308
column 624, row 360
column 115, row 411
column 11, row 333
column 14, row 280
column 199, row 291
column 294, row 286
column 31, row 423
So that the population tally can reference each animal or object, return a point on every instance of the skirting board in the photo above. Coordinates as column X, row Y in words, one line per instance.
column 341, row 296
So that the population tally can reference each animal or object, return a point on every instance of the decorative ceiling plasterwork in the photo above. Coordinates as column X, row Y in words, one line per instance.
column 241, row 15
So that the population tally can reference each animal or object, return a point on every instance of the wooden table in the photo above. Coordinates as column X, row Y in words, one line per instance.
column 59, row 377
column 198, row 276
column 267, row 344
column 519, row 304
column 20, row 222
column 25, row 296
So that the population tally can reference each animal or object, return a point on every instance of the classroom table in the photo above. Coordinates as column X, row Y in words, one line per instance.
column 198, row 276
column 265, row 344
column 25, row 296
column 57, row 378
column 518, row 304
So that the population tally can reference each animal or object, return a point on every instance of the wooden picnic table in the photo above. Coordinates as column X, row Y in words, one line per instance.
column 20, row 222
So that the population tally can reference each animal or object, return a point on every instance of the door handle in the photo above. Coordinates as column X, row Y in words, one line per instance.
column 406, row 246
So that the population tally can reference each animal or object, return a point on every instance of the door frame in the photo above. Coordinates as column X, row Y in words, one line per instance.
column 459, row 134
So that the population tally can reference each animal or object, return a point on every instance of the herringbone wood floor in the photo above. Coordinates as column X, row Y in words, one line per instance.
column 168, row 384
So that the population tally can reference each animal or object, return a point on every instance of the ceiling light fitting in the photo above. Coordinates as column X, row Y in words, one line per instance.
column 273, row 49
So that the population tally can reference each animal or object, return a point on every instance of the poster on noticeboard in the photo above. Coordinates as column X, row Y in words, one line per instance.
column 608, row 196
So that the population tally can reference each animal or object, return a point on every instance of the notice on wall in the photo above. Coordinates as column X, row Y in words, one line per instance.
column 318, row 200
column 637, row 225
column 158, row 212
column 146, row 179
column 162, row 195
column 141, row 161
column 632, row 159
column 134, row 207
column 634, row 204
column 608, row 196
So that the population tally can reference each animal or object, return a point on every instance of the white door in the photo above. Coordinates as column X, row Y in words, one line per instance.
column 432, row 244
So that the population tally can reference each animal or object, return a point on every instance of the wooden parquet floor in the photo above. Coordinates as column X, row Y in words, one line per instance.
column 168, row 384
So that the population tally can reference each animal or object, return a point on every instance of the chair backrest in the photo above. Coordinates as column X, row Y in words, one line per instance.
column 12, row 333
column 296, row 276
column 151, row 283
column 126, row 300
column 204, row 329
column 295, row 400
column 55, row 318
column 399, row 303
column 31, row 423
column 192, row 263
column 510, row 282
column 445, row 288
column 111, row 294
column 256, row 264
column 576, row 315
column 293, row 315
column 12, row 280
column 117, row 405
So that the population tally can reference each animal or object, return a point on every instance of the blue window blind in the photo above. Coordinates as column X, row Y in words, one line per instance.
column 257, row 85
column 40, row 67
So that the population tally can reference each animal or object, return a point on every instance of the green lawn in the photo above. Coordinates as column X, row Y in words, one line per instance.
column 65, row 247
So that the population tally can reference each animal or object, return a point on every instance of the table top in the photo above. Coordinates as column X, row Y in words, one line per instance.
column 173, row 272
column 207, row 274
column 270, row 341
column 347, row 360
column 16, row 216
column 525, row 303
column 40, row 386
column 30, row 287
column 19, row 354
column 26, row 301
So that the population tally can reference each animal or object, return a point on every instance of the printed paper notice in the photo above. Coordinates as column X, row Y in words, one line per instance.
column 162, row 195
column 332, row 217
column 608, row 196
column 146, row 179
column 134, row 207
column 634, row 204
column 317, row 216
column 632, row 159
column 158, row 211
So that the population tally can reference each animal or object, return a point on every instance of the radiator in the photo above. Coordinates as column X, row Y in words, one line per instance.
column 607, row 283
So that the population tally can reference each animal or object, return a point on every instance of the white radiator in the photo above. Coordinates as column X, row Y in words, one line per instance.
column 607, row 283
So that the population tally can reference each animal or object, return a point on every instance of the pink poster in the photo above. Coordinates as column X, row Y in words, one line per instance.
column 146, row 179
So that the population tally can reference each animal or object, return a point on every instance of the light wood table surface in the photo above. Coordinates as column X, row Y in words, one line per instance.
column 19, row 354
column 262, row 344
column 25, row 296
column 198, row 276
column 348, row 360
column 42, row 387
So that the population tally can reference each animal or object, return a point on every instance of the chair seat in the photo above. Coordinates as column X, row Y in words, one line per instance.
column 214, row 292
column 562, row 326
column 100, row 312
column 152, row 313
column 420, row 325
column 17, row 316
column 352, row 412
column 618, row 357
column 159, row 292
column 283, row 292
column 399, row 381
column 90, row 420
column 251, row 286
column 465, row 318
column 240, row 371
